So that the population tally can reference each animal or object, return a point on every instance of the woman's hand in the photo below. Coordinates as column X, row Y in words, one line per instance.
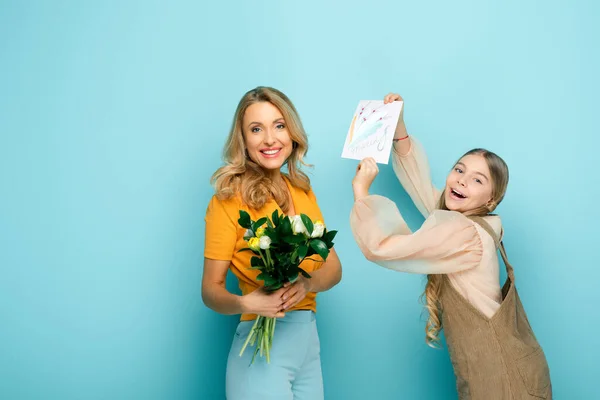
column 366, row 172
column 262, row 302
column 296, row 292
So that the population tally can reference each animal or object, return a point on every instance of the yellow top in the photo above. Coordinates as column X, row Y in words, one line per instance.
column 224, row 237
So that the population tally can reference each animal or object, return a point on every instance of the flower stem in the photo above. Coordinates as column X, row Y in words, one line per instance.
column 268, row 339
column 268, row 252
column 266, row 259
column 252, row 333
column 262, row 333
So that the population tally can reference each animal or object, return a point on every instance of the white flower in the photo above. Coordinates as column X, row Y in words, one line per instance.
column 298, row 225
column 265, row 242
column 318, row 229
column 249, row 234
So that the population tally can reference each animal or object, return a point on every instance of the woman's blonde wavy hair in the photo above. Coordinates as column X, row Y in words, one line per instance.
column 242, row 175
column 433, row 289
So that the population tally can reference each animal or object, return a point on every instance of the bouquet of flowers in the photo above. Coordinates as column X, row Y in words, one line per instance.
column 280, row 245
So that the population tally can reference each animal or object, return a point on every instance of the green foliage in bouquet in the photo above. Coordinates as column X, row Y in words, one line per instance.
column 280, row 245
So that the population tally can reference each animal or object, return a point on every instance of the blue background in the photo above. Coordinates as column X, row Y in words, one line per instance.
column 112, row 119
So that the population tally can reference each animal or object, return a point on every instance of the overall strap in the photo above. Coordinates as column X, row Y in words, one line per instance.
column 487, row 227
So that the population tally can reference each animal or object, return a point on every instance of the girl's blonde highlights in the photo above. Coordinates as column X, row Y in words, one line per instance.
column 433, row 289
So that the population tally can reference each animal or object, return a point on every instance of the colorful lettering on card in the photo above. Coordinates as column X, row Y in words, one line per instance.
column 372, row 130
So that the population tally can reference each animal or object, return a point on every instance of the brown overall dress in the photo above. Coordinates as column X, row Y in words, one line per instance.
column 495, row 358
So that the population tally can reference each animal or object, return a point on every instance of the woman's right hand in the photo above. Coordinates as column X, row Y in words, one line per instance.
column 266, row 304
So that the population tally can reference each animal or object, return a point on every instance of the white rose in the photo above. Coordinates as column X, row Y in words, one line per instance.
column 249, row 234
column 298, row 225
column 265, row 242
column 318, row 229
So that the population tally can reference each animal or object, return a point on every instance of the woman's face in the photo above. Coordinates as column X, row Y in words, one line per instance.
column 469, row 185
column 266, row 136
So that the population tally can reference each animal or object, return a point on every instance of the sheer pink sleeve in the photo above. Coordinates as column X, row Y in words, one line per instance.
column 447, row 242
column 412, row 170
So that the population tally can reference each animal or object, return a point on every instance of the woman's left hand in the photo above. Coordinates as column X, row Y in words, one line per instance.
column 296, row 292
column 366, row 172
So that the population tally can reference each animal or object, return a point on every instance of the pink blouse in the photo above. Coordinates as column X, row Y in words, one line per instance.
column 447, row 242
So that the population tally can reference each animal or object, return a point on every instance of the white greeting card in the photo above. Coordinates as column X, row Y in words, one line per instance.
column 372, row 130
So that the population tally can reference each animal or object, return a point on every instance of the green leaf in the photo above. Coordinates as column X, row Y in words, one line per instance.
column 320, row 247
column 285, row 227
column 245, row 221
column 294, row 256
column 258, row 224
column 256, row 262
column 292, row 278
column 269, row 223
column 275, row 217
column 245, row 249
column 272, row 233
column 294, row 239
column 269, row 281
column 302, row 250
column 304, row 273
column 307, row 223
column 328, row 237
column 274, row 286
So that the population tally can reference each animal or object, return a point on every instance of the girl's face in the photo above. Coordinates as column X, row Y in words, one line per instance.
column 469, row 185
column 266, row 136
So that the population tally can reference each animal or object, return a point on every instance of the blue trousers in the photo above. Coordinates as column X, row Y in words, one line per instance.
column 295, row 369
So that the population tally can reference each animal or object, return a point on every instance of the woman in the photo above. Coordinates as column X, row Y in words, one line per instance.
column 494, row 352
column 266, row 135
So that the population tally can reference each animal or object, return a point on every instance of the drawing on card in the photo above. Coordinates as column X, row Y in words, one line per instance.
column 372, row 130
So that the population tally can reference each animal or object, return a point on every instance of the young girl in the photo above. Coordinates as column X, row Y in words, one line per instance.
column 266, row 135
column 494, row 352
